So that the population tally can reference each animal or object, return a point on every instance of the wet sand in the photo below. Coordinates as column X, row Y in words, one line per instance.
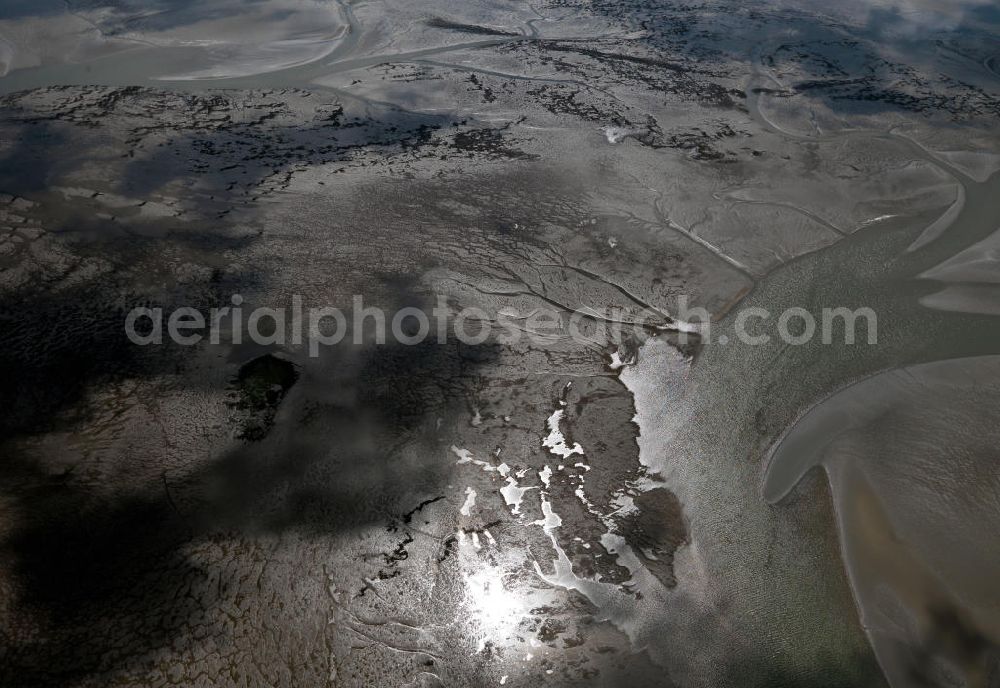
column 634, row 511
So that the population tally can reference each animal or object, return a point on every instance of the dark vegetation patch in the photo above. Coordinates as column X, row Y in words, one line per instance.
column 261, row 384
column 440, row 23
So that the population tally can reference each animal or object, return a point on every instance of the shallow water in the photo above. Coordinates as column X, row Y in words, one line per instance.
column 704, row 416
column 136, row 43
column 482, row 518
column 915, row 487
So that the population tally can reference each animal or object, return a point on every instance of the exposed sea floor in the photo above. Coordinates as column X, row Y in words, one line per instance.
column 669, row 504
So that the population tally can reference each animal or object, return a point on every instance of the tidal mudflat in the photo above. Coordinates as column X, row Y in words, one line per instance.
column 644, row 496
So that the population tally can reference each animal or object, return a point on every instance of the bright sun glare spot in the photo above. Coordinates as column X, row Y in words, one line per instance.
column 495, row 610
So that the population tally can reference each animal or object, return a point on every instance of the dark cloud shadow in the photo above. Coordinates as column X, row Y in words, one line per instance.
column 882, row 62
column 86, row 556
column 102, row 570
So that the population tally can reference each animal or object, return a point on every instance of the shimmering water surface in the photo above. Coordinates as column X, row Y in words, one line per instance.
column 571, row 508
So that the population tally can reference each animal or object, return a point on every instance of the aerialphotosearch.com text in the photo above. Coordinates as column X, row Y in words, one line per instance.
column 323, row 326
